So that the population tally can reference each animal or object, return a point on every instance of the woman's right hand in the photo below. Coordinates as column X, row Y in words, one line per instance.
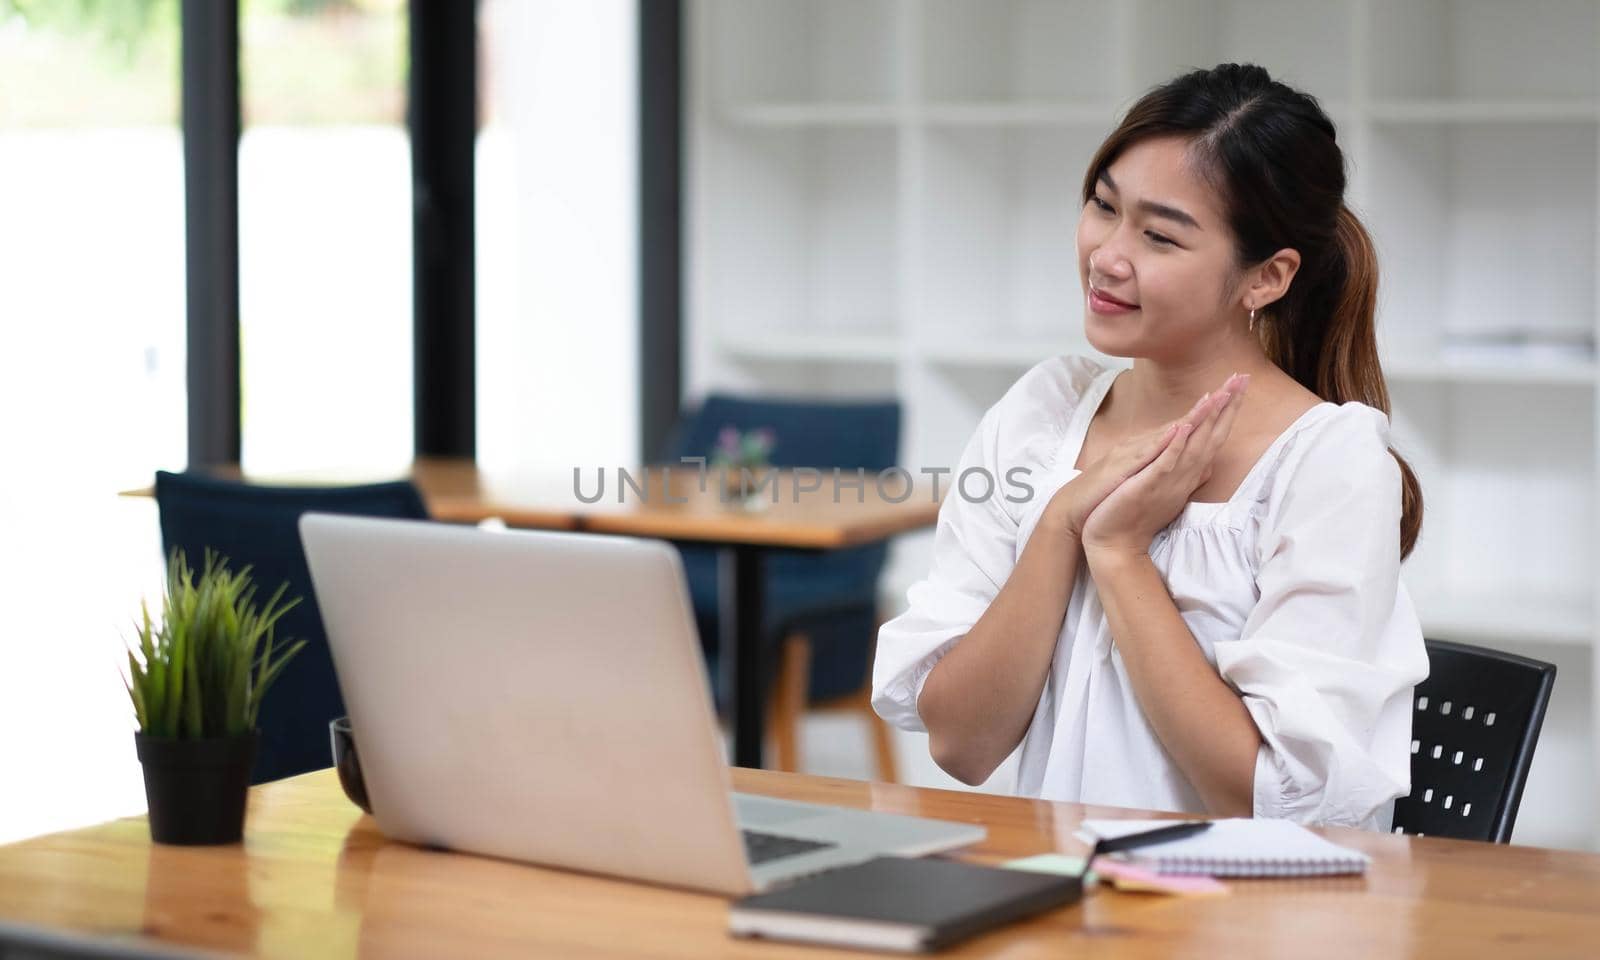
column 1073, row 503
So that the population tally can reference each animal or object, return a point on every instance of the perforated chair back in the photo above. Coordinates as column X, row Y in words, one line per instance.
column 258, row 525
column 1474, row 728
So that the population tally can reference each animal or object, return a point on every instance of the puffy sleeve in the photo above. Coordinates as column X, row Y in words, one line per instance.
column 974, row 551
column 1329, row 655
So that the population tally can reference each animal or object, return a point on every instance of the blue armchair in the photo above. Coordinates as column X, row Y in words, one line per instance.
column 826, row 601
column 257, row 525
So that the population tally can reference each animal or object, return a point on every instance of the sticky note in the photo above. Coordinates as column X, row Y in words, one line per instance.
column 1125, row 876
column 1048, row 863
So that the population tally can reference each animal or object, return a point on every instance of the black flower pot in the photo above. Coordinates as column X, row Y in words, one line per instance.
column 196, row 788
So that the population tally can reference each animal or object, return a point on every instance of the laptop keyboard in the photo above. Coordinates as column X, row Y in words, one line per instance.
column 764, row 847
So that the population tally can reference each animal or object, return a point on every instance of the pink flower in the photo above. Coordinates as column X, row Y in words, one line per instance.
column 728, row 442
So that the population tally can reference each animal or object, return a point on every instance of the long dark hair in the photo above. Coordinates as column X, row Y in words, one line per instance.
column 1271, row 153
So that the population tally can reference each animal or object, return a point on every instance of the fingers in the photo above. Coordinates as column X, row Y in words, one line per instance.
column 1136, row 454
column 1151, row 448
column 1169, row 458
column 1209, row 409
column 1211, row 402
column 1158, row 441
column 1213, row 430
column 1137, row 451
column 1210, row 421
column 1224, row 422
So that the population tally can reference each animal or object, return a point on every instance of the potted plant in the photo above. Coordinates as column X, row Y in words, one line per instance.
column 196, row 676
column 742, row 458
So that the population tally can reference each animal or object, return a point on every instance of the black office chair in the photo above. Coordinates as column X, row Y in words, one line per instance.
column 259, row 526
column 1475, row 726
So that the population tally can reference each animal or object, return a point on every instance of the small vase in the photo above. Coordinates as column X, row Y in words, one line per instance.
column 196, row 788
column 748, row 490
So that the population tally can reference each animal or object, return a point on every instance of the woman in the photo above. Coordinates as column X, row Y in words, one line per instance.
column 1199, row 608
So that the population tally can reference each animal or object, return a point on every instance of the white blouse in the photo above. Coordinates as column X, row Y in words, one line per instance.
column 1291, row 588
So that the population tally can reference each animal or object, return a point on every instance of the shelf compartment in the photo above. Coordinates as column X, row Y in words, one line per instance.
column 815, row 51
column 1575, row 110
column 1483, row 228
column 952, row 401
column 836, row 347
column 1170, row 36
column 999, row 244
column 979, row 50
column 1476, row 614
column 1094, row 117
column 1443, row 370
column 1015, row 354
column 805, row 243
column 781, row 115
column 1508, row 491
column 1484, row 49
column 809, row 377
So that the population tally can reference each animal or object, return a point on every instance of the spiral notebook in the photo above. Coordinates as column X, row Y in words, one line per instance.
column 1234, row 848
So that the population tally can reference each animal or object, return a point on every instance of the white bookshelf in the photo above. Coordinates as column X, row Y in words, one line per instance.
column 882, row 200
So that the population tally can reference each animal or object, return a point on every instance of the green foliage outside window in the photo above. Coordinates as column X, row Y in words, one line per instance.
column 116, row 62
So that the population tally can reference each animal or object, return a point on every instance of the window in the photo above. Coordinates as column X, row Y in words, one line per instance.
column 91, row 384
column 557, row 234
column 324, row 235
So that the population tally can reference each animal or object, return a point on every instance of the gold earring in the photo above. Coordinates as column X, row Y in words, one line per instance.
column 1252, row 319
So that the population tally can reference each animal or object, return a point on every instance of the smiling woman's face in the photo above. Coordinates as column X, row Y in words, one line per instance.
column 1155, row 257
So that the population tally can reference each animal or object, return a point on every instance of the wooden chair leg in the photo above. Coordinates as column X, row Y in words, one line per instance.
column 789, row 701
column 882, row 742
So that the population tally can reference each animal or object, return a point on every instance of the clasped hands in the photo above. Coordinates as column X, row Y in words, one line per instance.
column 1118, row 504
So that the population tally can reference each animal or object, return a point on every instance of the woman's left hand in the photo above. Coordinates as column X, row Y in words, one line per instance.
column 1128, row 519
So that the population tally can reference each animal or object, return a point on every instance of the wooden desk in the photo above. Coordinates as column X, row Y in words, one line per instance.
column 671, row 504
column 315, row 878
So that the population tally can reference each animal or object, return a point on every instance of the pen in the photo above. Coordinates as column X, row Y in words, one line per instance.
column 1145, row 838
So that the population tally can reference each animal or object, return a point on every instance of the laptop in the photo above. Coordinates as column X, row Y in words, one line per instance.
column 542, row 697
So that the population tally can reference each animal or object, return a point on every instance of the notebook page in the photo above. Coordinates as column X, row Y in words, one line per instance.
column 1236, row 847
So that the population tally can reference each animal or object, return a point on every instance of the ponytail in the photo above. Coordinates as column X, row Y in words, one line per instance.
column 1336, row 355
column 1274, row 156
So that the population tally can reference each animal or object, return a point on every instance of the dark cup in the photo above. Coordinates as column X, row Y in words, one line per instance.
column 348, row 763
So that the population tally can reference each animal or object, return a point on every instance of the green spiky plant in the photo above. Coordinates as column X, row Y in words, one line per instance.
column 201, row 670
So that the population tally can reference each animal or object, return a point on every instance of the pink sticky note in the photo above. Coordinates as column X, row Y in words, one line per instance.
column 1126, row 876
